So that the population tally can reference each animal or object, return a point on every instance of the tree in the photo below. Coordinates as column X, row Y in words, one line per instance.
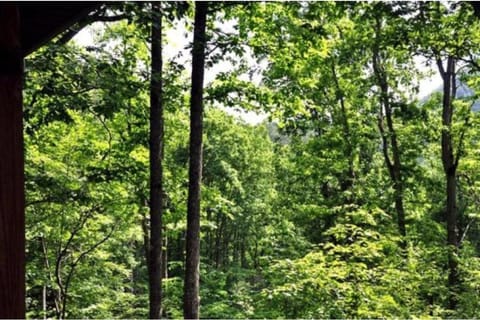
column 156, row 180
column 92, row 186
column 446, row 53
column 388, row 133
column 192, row 265
column 299, row 214
column 450, row 164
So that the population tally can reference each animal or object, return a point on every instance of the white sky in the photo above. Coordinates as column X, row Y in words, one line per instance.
column 176, row 42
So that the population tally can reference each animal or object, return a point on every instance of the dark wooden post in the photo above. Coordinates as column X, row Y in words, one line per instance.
column 12, row 217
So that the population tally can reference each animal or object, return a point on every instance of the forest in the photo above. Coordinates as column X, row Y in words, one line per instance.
column 151, row 192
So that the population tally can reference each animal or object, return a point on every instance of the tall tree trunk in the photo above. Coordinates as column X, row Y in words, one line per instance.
column 349, row 149
column 450, row 163
column 218, row 239
column 208, row 237
column 156, row 150
column 145, row 231
column 12, row 197
column 44, row 301
column 192, row 263
column 225, row 243
column 389, row 136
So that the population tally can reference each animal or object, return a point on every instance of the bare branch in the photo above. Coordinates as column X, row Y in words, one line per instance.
column 74, row 264
column 441, row 69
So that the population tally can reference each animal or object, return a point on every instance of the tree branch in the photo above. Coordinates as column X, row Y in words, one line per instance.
column 441, row 69
column 74, row 264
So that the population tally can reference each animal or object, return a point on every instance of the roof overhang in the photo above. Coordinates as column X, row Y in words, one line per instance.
column 41, row 21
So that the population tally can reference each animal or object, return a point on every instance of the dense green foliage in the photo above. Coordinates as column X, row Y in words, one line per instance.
column 299, row 212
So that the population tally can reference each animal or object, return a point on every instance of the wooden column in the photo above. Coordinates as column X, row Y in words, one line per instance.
column 12, row 217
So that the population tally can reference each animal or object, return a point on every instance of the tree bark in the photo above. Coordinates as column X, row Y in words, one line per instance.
column 349, row 148
column 450, row 164
column 12, row 196
column 389, row 137
column 192, row 263
column 44, row 301
column 156, row 170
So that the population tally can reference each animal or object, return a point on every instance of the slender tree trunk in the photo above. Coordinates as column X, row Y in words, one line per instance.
column 165, row 256
column 236, row 247
column 396, row 171
column 218, row 237
column 349, row 154
column 192, row 262
column 44, row 301
column 389, row 137
column 59, row 282
column 146, row 234
column 156, row 150
column 450, row 163
column 208, row 238
column 225, row 244
column 49, row 272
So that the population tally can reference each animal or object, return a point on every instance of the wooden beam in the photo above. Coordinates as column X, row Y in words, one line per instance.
column 12, row 216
